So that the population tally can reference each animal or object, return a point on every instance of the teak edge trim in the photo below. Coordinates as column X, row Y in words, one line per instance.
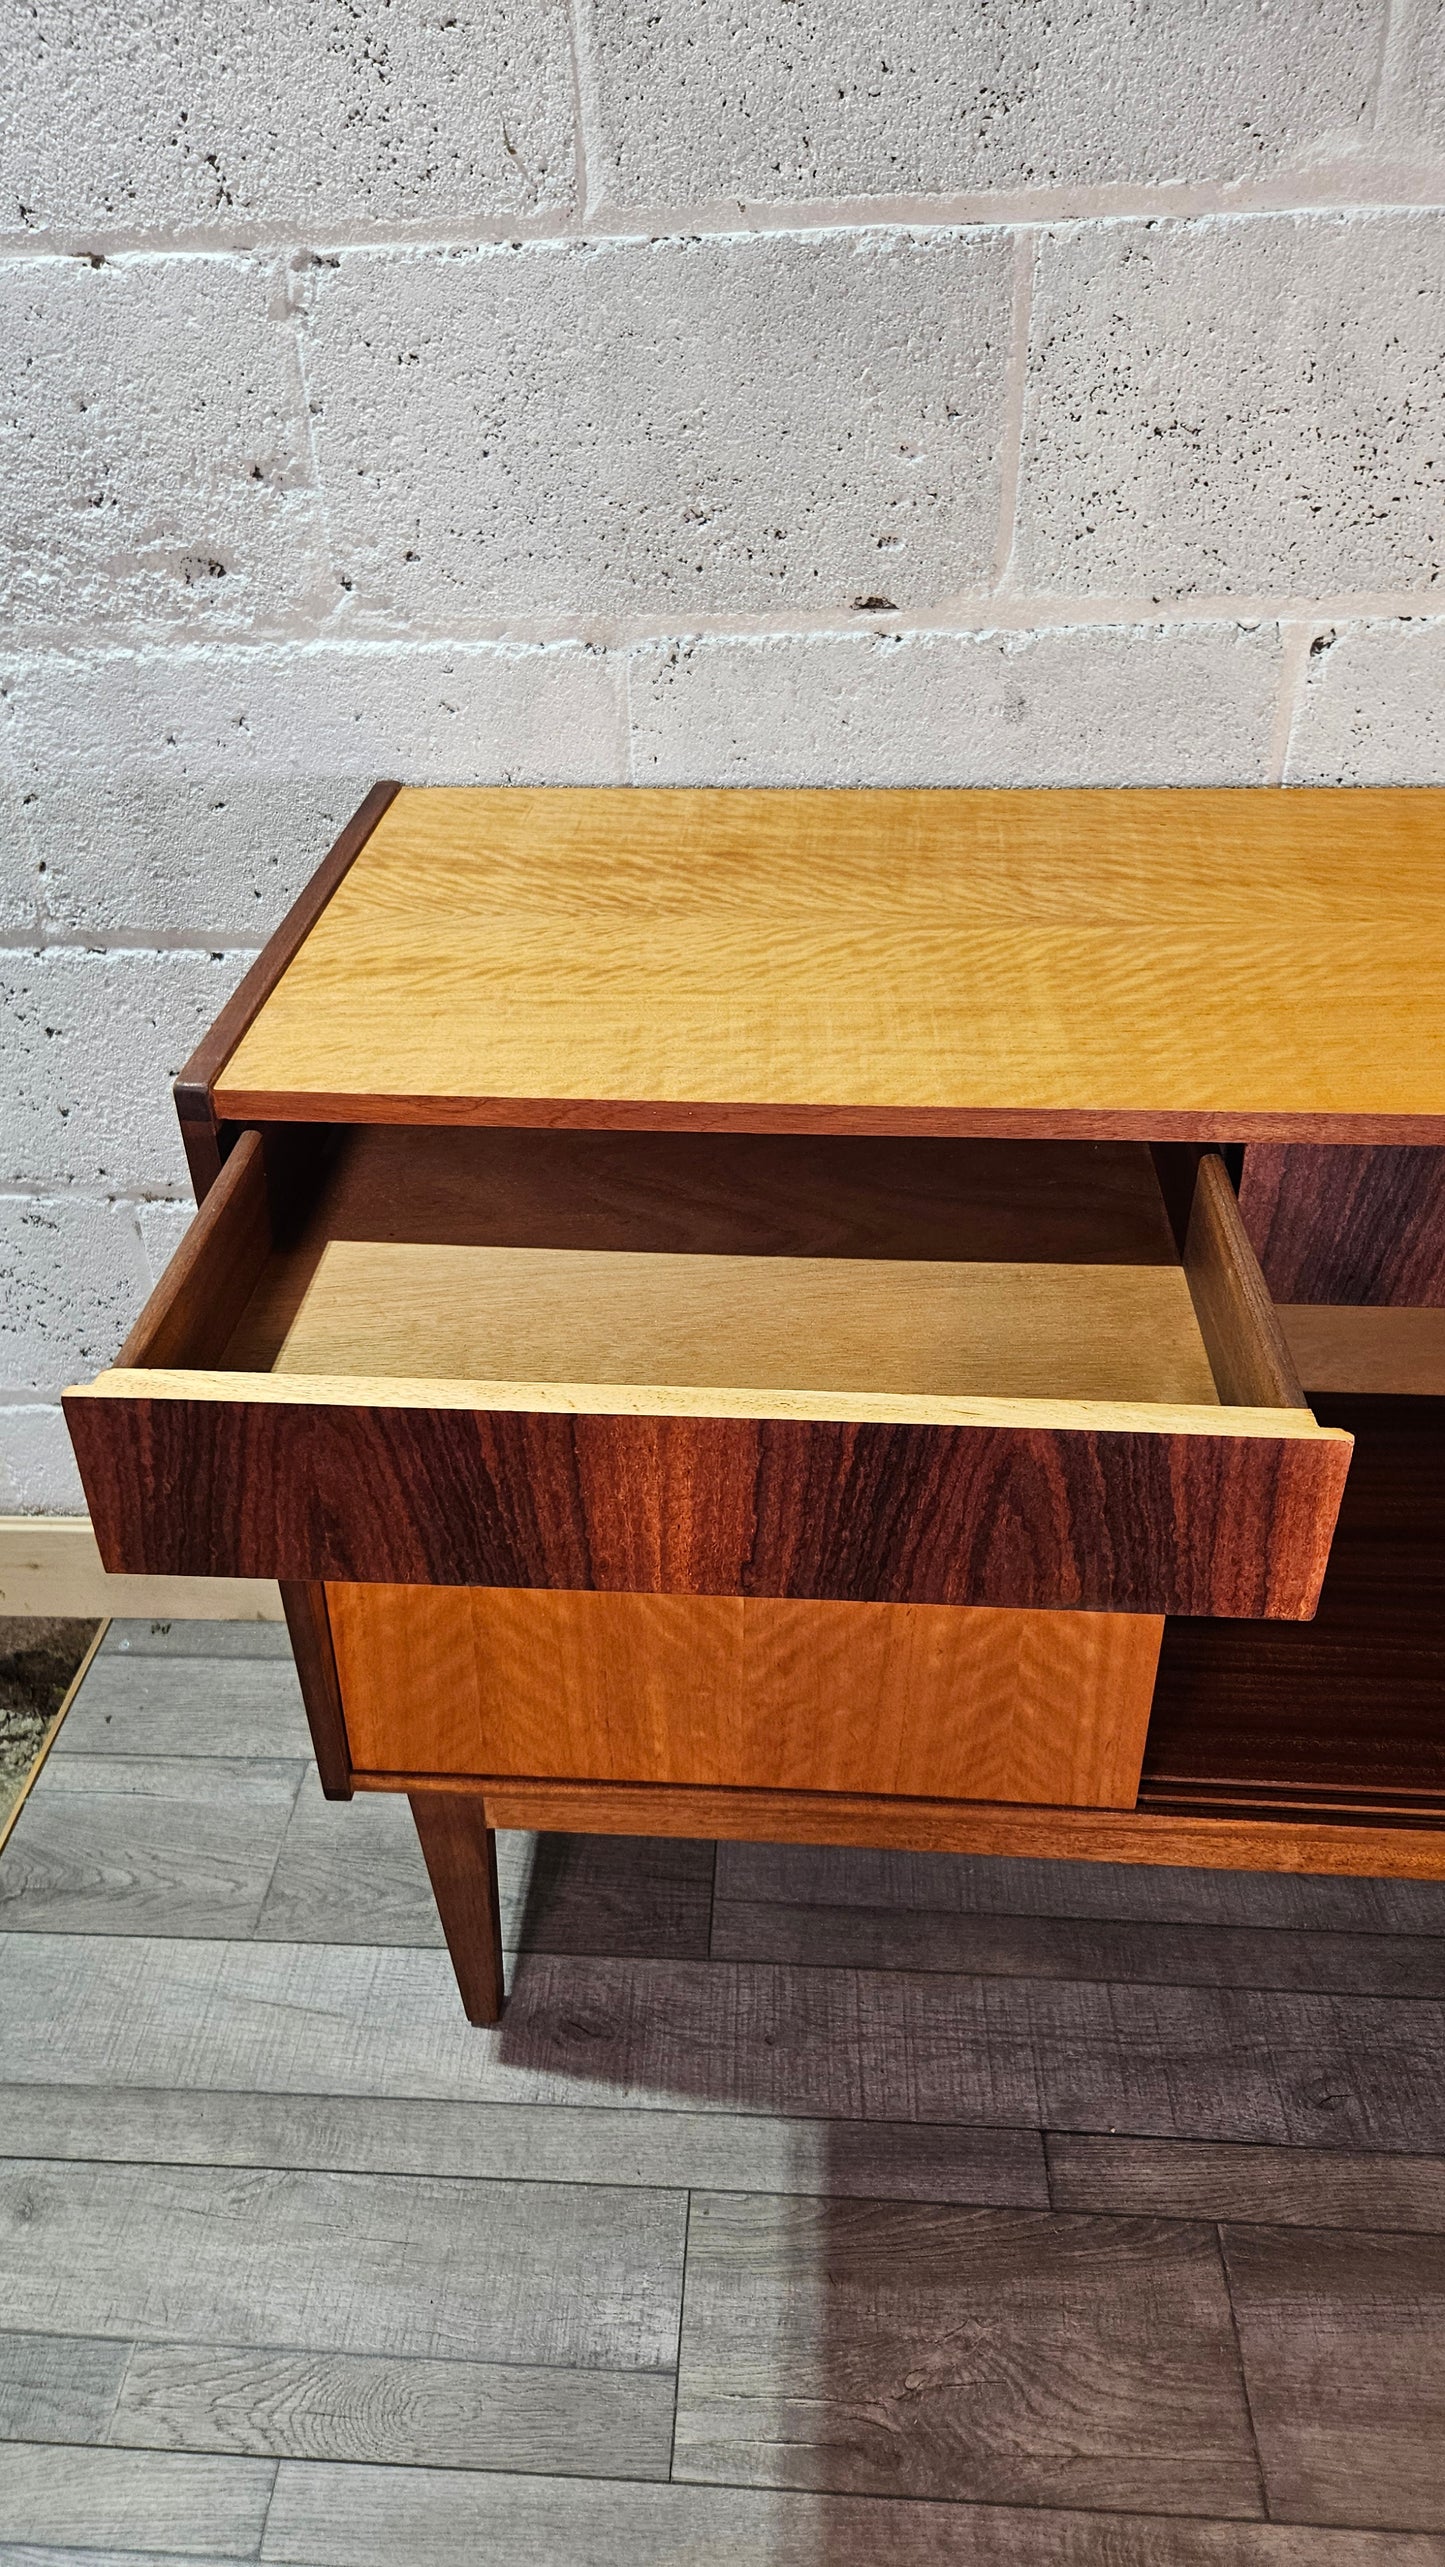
column 1219, row 1124
column 936, row 1826
column 193, row 1090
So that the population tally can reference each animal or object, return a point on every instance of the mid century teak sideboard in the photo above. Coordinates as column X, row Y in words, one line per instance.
column 903, row 1318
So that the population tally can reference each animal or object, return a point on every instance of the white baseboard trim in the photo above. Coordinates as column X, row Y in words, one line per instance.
column 49, row 1564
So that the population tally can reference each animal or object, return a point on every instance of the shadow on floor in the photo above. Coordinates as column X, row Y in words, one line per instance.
column 918, row 2311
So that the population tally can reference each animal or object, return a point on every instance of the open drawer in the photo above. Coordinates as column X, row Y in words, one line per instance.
column 896, row 1371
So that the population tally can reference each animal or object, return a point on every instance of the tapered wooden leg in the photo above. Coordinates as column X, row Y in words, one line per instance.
column 461, row 1858
column 309, row 1623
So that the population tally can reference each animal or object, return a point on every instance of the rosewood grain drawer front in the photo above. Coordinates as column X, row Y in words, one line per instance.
column 740, row 1312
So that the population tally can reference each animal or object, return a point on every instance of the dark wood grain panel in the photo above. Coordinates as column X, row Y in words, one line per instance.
column 202, row 1130
column 303, row 1601
column 1349, row 1713
column 1347, row 1224
column 862, row 1513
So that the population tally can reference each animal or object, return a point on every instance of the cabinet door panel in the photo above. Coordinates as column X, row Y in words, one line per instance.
column 913, row 1699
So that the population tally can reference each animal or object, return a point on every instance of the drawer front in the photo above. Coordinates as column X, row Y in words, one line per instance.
column 907, row 1699
column 199, row 1460
column 1114, row 1522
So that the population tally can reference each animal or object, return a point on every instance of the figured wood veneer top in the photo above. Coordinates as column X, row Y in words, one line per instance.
column 1221, row 963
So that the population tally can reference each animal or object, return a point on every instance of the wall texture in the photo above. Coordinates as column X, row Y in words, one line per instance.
column 997, row 391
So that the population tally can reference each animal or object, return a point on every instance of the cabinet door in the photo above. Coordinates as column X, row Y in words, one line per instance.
column 753, row 1693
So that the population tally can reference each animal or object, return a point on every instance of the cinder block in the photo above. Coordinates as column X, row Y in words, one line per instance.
column 72, row 1277
column 769, row 99
column 1413, row 116
column 156, row 467
column 725, row 425
column 37, row 1467
column 189, row 118
column 162, row 1227
column 1191, row 704
column 19, row 880
column 1237, row 407
column 89, row 1044
column 1373, row 709
column 429, row 713
column 222, row 860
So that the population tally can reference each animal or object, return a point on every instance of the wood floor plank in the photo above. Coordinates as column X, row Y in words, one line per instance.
column 1046, row 1947
column 411, row 2413
column 354, row 1874
column 537, row 2143
column 58, row 2388
column 42, row 2554
column 586, row 2277
column 350, row 1872
column 132, row 1637
column 1301, row 2187
column 133, row 2501
column 650, row 1896
column 359, row 2517
column 151, row 1706
column 1002, row 2357
column 1298, row 2069
column 175, row 1845
column 1343, row 2341
column 964, row 1884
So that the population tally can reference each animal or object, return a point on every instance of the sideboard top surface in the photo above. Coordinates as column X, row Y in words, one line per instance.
column 1248, row 963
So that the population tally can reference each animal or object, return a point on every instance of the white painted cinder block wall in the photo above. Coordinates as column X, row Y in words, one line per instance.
column 995, row 391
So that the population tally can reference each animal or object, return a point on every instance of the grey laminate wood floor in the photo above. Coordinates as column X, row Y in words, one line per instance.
column 808, row 2207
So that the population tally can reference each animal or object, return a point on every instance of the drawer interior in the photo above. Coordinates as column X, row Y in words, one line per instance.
column 900, row 1270
column 428, row 1310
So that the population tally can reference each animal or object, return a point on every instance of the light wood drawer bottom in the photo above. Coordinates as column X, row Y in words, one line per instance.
column 944, row 1701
